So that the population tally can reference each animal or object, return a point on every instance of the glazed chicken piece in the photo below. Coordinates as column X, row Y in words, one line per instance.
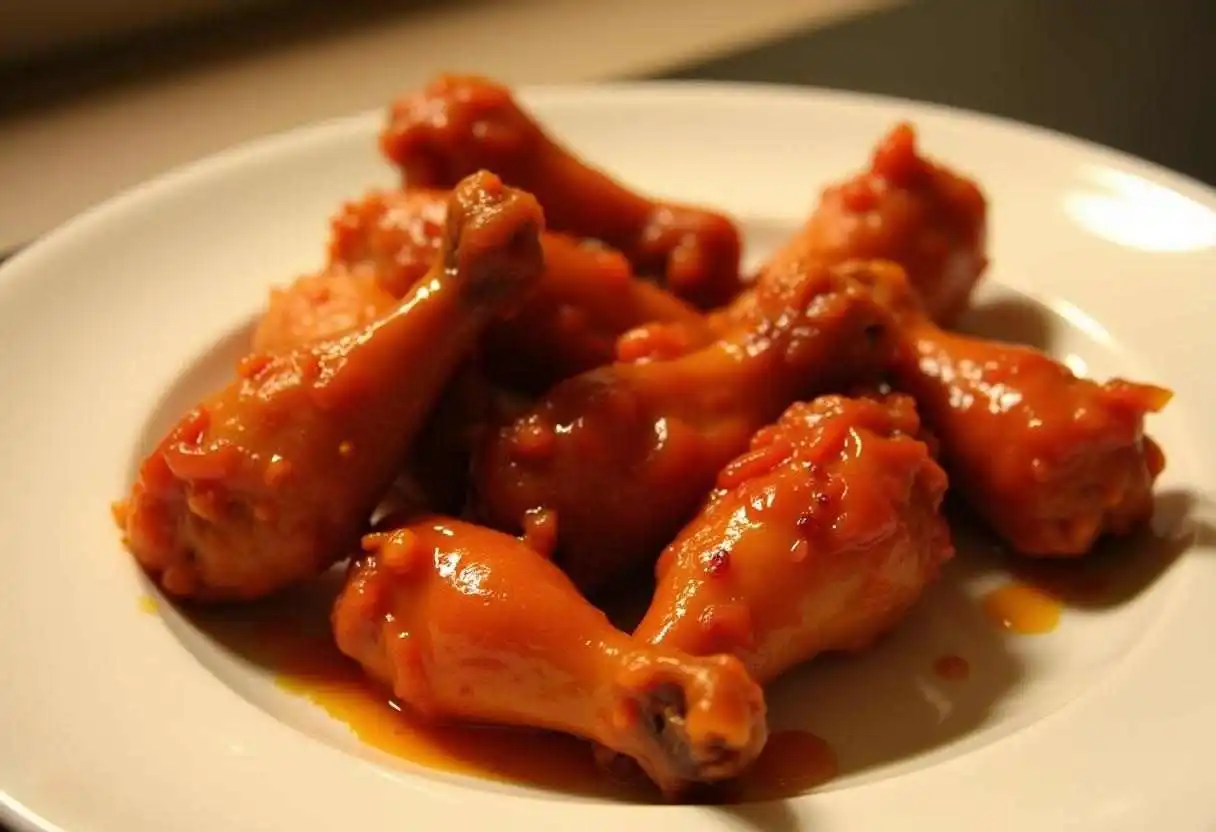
column 397, row 232
column 586, row 297
column 465, row 623
column 274, row 477
column 619, row 458
column 818, row 538
column 330, row 303
column 342, row 299
column 458, row 124
column 908, row 210
column 1050, row 460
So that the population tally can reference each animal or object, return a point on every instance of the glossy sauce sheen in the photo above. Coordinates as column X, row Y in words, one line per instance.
column 1022, row 609
column 290, row 638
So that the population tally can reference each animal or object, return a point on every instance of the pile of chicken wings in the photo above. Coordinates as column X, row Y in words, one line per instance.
column 518, row 386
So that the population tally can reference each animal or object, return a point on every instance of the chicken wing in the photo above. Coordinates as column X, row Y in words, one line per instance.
column 818, row 538
column 273, row 478
column 1050, row 460
column 621, row 456
column 466, row 623
column 457, row 124
column 908, row 210
column 586, row 297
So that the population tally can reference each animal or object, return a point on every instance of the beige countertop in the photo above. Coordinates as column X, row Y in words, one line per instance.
column 73, row 134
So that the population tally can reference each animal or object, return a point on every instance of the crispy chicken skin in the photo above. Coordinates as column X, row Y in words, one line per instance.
column 1050, row 460
column 466, row 623
column 621, row 457
column 273, row 478
column 381, row 244
column 909, row 210
column 820, row 537
column 458, row 124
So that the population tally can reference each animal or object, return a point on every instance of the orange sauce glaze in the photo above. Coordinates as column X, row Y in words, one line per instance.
column 290, row 636
column 1031, row 602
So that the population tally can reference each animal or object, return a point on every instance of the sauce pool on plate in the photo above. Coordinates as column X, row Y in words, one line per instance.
column 290, row 637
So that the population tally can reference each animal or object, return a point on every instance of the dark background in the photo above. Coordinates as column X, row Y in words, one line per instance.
column 1138, row 75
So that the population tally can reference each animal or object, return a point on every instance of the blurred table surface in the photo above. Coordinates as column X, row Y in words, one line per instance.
column 77, row 127
column 1136, row 75
column 1133, row 74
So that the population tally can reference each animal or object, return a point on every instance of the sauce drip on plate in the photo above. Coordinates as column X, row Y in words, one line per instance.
column 534, row 758
column 290, row 637
column 1022, row 608
column 952, row 668
column 792, row 763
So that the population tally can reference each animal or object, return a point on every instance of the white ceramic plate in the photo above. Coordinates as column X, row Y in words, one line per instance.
column 113, row 719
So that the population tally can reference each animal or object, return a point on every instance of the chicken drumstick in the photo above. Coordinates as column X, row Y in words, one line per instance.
column 906, row 209
column 819, row 538
column 458, row 124
column 466, row 623
column 273, row 478
column 1050, row 460
column 621, row 456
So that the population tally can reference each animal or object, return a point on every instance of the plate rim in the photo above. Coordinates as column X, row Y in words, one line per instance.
column 176, row 174
column 23, row 265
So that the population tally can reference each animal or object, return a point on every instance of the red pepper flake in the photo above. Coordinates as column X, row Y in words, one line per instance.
column 251, row 366
column 309, row 367
column 754, row 463
column 717, row 561
column 191, row 429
